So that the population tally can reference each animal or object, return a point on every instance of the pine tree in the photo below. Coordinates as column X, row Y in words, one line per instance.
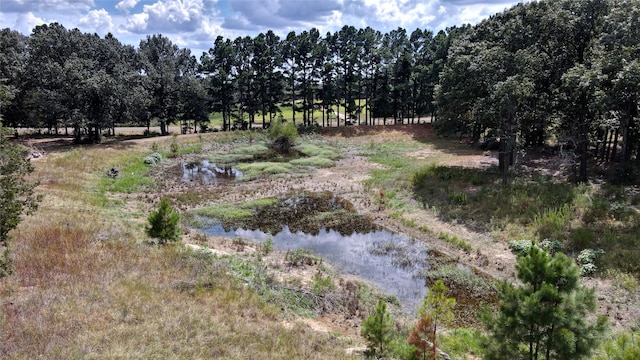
column 439, row 308
column 423, row 337
column 377, row 329
column 164, row 224
column 546, row 317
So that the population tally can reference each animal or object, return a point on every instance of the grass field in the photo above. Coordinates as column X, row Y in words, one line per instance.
column 88, row 284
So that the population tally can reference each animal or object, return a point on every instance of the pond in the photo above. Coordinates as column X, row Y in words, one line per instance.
column 207, row 173
column 392, row 262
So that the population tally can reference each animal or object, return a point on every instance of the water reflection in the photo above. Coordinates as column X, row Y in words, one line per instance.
column 393, row 262
column 206, row 173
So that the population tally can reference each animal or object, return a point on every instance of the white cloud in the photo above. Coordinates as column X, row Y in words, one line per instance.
column 126, row 5
column 98, row 20
column 168, row 16
column 196, row 23
column 25, row 22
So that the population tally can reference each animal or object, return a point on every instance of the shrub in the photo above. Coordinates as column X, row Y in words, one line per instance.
column 521, row 247
column 174, row 146
column 458, row 198
column 153, row 158
column 283, row 135
column 553, row 222
column 587, row 261
column 625, row 346
column 267, row 246
column 299, row 257
column 321, row 284
column 164, row 223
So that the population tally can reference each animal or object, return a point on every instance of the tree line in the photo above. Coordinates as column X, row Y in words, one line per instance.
column 563, row 70
column 66, row 79
column 566, row 71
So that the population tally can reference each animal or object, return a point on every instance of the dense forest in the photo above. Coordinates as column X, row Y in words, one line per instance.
column 562, row 72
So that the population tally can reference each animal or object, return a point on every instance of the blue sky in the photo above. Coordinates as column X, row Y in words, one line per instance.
column 196, row 23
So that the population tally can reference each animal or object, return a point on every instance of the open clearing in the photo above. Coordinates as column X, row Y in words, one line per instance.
column 88, row 282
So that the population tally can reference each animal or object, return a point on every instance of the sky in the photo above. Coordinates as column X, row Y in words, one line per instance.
column 195, row 24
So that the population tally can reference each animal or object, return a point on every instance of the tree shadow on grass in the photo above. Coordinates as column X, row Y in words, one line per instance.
column 476, row 198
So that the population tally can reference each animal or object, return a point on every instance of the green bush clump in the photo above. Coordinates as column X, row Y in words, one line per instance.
column 153, row 158
column 521, row 247
column 267, row 246
column 587, row 261
column 455, row 276
column 553, row 223
column 283, row 135
column 321, row 284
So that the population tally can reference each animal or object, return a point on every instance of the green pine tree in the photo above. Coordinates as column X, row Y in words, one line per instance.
column 546, row 317
column 377, row 329
column 439, row 309
column 164, row 223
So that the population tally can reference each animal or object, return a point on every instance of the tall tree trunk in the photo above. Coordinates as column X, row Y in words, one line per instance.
column 614, row 148
column 584, row 149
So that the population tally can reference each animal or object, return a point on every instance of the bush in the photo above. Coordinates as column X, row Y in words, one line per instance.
column 164, row 224
column 587, row 261
column 283, row 135
column 321, row 284
column 153, row 158
column 625, row 346
column 299, row 257
column 267, row 246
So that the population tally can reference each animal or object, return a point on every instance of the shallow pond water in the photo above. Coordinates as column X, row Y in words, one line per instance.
column 392, row 262
column 206, row 173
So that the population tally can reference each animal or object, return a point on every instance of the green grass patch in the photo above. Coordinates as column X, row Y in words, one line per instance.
column 537, row 208
column 462, row 343
column 314, row 161
column 455, row 241
column 224, row 212
column 229, row 158
column 408, row 222
column 131, row 178
column 314, row 150
column 227, row 212
column 256, row 169
column 397, row 171
column 251, row 149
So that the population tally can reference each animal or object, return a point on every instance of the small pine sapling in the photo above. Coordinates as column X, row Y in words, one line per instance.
column 164, row 223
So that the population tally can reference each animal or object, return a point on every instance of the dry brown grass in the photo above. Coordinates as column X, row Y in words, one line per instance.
column 87, row 285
